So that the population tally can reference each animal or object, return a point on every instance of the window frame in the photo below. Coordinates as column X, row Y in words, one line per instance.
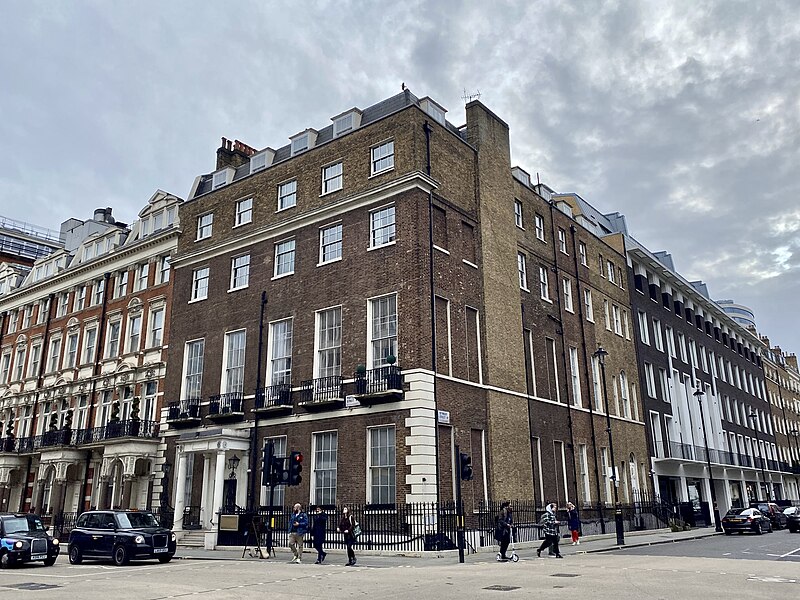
column 240, row 272
column 199, row 275
column 323, row 245
column 390, row 467
column 385, row 157
column 389, row 226
column 287, row 253
column 284, row 195
column 202, row 226
column 331, row 178
column 240, row 212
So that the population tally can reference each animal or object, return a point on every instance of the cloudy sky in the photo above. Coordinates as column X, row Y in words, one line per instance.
column 684, row 116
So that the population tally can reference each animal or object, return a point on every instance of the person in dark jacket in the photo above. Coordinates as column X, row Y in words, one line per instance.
column 298, row 526
column 318, row 533
column 574, row 523
column 550, row 528
column 346, row 526
column 502, row 534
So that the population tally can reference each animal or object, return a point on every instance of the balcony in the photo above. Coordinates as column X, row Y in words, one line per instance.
column 322, row 393
column 274, row 399
column 678, row 450
column 185, row 413
column 117, row 430
column 384, row 384
column 225, row 407
column 55, row 438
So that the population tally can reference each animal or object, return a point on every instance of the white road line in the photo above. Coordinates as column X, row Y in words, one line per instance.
column 790, row 553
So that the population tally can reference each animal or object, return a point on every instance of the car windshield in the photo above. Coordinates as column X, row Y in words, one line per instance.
column 790, row 511
column 136, row 520
column 22, row 524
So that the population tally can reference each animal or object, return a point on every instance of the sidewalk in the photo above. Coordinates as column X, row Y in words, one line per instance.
column 599, row 543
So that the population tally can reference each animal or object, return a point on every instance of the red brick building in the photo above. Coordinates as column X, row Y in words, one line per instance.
column 83, row 341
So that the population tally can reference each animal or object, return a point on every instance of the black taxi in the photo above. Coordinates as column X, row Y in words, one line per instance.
column 120, row 535
column 24, row 538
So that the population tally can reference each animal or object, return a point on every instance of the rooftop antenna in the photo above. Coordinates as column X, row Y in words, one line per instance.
column 467, row 98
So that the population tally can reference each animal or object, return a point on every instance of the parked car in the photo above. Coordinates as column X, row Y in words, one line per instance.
column 121, row 535
column 24, row 538
column 773, row 512
column 745, row 519
column 792, row 519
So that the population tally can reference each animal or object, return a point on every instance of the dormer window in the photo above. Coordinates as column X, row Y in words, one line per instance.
column 222, row 177
column 521, row 176
column 261, row 160
column 300, row 144
column 436, row 111
column 346, row 122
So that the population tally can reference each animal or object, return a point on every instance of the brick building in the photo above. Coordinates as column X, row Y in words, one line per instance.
column 310, row 273
column 783, row 389
column 82, row 359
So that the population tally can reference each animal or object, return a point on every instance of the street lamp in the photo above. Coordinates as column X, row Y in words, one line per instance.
column 698, row 394
column 233, row 464
column 753, row 417
column 600, row 354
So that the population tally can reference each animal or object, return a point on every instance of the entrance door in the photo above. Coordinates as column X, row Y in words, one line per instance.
column 229, row 495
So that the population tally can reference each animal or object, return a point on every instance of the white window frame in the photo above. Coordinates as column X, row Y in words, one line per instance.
column 644, row 334
column 332, row 484
column 383, row 219
column 287, row 194
column 233, row 362
column 285, row 249
column 188, row 386
column 240, row 272
column 582, row 253
column 244, row 212
column 587, row 300
column 142, row 275
column 382, row 158
column 539, row 222
column 522, row 271
column 53, row 356
column 332, row 178
column 330, row 243
column 205, row 226
column 327, row 344
column 71, row 349
column 544, row 288
column 567, row 285
column 155, row 330
column 385, row 473
column 133, row 335
column 200, row 280
column 574, row 367
column 518, row 213
column 562, row 241
column 279, row 366
column 382, row 329
column 113, row 342
column 89, row 344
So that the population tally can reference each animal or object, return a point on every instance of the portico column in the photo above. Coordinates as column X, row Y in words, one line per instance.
column 206, row 514
column 105, row 493
column 219, row 479
column 180, row 490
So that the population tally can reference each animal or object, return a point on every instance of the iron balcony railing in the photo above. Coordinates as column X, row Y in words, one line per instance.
column 723, row 457
column 274, row 396
column 376, row 381
column 118, row 429
column 225, row 404
column 321, row 390
column 188, row 408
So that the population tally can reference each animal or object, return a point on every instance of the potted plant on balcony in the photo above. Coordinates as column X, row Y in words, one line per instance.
column 135, row 424
column 114, row 426
column 393, row 379
column 361, row 379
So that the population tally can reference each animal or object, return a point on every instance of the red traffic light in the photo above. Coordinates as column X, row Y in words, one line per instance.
column 297, row 457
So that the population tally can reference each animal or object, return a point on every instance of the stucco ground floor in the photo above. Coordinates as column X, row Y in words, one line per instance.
column 70, row 480
column 682, row 481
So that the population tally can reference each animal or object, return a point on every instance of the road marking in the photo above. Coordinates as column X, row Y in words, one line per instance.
column 790, row 553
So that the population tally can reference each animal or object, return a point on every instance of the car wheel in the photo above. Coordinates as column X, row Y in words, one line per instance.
column 727, row 531
column 165, row 559
column 6, row 562
column 120, row 556
column 759, row 529
column 50, row 561
column 75, row 555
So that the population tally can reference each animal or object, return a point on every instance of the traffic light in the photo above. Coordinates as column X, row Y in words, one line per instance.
column 465, row 466
column 267, row 463
column 295, row 468
column 279, row 473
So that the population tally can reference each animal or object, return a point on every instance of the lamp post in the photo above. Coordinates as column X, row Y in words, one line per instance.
column 698, row 394
column 233, row 464
column 600, row 354
column 795, row 434
column 753, row 417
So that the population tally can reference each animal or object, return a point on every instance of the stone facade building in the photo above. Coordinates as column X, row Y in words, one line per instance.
column 83, row 340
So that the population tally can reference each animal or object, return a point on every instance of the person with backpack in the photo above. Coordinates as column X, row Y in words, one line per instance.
column 351, row 529
column 574, row 523
column 298, row 526
column 550, row 526
column 502, row 532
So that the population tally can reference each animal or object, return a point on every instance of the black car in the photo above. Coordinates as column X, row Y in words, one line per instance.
column 745, row 519
column 24, row 538
column 792, row 519
column 121, row 535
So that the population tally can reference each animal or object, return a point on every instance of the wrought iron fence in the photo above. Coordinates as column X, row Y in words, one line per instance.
column 322, row 389
column 274, row 396
column 188, row 408
column 223, row 404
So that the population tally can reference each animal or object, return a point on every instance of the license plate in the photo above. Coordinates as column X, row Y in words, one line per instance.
column 736, row 521
column 160, row 550
column 38, row 556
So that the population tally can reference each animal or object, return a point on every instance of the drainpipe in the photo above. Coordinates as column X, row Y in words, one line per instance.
column 253, row 474
column 560, row 321
column 101, row 336
column 579, row 293
column 426, row 127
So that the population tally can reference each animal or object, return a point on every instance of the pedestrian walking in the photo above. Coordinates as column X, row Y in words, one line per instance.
column 550, row 527
column 318, row 532
column 502, row 530
column 574, row 523
column 298, row 526
column 349, row 527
